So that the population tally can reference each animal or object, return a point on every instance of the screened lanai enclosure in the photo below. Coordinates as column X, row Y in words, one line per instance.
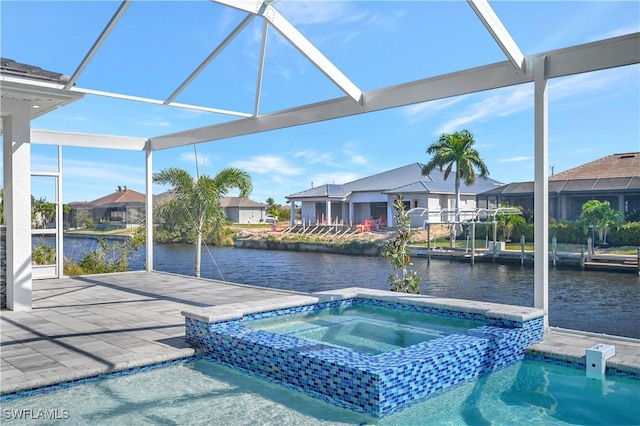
column 189, row 65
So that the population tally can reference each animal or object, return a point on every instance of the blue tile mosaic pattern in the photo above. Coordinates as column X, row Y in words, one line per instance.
column 10, row 396
column 377, row 385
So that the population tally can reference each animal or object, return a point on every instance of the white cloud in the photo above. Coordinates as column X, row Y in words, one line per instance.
column 311, row 156
column 333, row 178
column 358, row 159
column 267, row 164
column 314, row 12
column 509, row 101
column 617, row 32
column 515, row 159
column 419, row 112
column 99, row 175
column 501, row 103
column 190, row 157
column 154, row 123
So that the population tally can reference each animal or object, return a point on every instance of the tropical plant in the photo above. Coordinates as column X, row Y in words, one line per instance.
column 45, row 210
column 507, row 222
column 270, row 202
column 106, row 258
column 198, row 200
column 396, row 250
column 456, row 150
column 601, row 216
column 43, row 254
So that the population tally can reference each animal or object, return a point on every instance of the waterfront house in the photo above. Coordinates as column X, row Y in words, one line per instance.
column 371, row 197
column 125, row 208
column 236, row 209
column 614, row 178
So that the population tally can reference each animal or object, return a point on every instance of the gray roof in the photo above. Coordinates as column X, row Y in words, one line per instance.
column 322, row 191
column 224, row 201
column 406, row 179
column 570, row 186
column 9, row 67
column 240, row 202
column 446, row 187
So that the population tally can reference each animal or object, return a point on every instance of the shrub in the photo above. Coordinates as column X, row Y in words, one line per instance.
column 72, row 269
column 43, row 254
column 401, row 280
column 626, row 235
column 568, row 232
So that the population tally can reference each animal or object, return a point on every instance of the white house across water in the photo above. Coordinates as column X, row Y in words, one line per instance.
column 371, row 198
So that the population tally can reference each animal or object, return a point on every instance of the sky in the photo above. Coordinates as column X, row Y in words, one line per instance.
column 156, row 45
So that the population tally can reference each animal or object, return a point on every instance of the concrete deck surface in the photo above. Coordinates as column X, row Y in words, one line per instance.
column 85, row 326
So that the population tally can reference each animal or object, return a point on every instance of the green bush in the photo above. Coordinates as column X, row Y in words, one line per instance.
column 626, row 235
column 520, row 229
column 568, row 232
column 44, row 254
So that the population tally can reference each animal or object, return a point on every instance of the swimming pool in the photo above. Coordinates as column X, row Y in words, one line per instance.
column 378, row 383
column 202, row 392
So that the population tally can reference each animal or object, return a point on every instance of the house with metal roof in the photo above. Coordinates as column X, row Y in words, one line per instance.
column 614, row 178
column 371, row 198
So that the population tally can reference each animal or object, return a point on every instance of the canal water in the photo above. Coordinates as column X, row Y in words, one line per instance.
column 600, row 302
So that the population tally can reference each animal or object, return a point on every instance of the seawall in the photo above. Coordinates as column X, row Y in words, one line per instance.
column 351, row 248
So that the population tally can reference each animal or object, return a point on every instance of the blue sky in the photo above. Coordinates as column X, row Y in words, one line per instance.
column 156, row 45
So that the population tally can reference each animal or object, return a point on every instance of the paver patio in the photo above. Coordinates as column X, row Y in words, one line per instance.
column 85, row 326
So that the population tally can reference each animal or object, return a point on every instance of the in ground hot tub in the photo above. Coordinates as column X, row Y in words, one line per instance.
column 371, row 351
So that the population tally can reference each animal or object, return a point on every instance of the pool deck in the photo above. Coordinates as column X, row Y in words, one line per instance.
column 86, row 326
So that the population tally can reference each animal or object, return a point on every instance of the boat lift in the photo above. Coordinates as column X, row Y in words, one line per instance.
column 468, row 217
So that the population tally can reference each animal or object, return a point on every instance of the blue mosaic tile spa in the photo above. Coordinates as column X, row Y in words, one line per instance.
column 376, row 384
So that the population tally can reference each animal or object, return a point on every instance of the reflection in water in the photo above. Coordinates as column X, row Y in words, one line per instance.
column 561, row 393
column 601, row 302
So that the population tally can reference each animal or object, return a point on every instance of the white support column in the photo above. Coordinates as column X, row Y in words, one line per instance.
column 390, row 212
column 292, row 211
column 328, row 212
column 17, row 203
column 149, row 207
column 59, row 219
column 351, row 212
column 541, row 189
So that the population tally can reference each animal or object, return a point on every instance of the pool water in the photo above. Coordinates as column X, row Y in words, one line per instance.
column 202, row 392
column 367, row 329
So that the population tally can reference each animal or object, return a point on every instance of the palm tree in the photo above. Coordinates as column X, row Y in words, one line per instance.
column 198, row 200
column 456, row 150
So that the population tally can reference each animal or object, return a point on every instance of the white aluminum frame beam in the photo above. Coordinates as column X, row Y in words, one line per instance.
column 87, row 140
column 158, row 102
column 98, row 43
column 499, row 33
column 614, row 52
column 263, row 54
column 299, row 41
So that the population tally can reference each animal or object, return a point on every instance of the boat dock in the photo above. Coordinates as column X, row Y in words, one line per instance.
column 608, row 262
